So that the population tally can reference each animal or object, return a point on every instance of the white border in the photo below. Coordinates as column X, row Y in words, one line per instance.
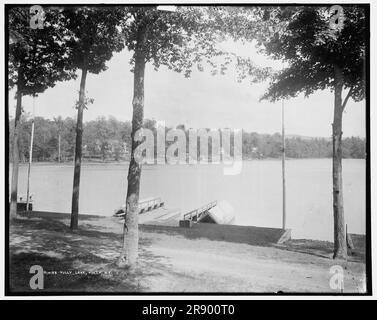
column 373, row 132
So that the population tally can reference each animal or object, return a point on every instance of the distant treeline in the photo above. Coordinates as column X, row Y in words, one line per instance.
column 110, row 140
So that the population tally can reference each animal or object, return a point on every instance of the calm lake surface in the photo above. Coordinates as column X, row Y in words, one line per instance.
column 255, row 193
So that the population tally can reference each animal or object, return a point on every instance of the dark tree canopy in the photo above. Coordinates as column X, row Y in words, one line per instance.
column 189, row 37
column 173, row 39
column 93, row 35
column 37, row 57
column 324, row 48
column 311, row 49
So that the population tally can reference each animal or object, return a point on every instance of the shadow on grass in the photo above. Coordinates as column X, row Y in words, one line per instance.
column 56, row 215
column 325, row 249
column 61, row 275
column 255, row 236
column 263, row 237
column 79, row 261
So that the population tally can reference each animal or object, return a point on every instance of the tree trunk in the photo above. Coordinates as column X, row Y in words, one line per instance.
column 14, row 188
column 340, row 239
column 78, row 153
column 130, row 232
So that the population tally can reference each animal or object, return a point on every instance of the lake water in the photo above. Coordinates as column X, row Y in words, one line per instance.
column 255, row 193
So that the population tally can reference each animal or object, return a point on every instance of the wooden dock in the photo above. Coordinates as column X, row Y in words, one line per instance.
column 150, row 204
column 197, row 214
column 161, row 217
column 152, row 211
column 145, row 205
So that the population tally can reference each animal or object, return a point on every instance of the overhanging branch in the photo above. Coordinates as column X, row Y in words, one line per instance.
column 347, row 97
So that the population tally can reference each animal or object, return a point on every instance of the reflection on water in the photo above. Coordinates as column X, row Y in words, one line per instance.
column 255, row 194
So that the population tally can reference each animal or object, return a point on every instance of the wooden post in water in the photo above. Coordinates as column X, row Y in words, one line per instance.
column 283, row 164
column 30, row 156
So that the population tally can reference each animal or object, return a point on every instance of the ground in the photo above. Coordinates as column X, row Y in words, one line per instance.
column 169, row 260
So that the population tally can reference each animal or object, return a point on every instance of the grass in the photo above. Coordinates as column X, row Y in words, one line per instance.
column 202, row 259
column 63, row 254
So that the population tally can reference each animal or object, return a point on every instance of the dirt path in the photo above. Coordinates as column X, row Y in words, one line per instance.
column 168, row 262
column 202, row 265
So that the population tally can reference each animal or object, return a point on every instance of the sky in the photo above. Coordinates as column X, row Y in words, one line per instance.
column 202, row 101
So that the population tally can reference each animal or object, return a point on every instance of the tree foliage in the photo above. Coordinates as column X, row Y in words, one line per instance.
column 324, row 49
column 311, row 49
column 37, row 60
column 110, row 139
column 93, row 35
column 189, row 38
column 37, row 57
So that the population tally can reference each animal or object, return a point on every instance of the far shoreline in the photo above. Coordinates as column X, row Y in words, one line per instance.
column 126, row 162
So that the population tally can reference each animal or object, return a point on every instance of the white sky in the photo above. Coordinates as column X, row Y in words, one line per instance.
column 201, row 101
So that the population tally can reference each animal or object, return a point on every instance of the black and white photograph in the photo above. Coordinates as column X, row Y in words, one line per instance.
column 187, row 148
